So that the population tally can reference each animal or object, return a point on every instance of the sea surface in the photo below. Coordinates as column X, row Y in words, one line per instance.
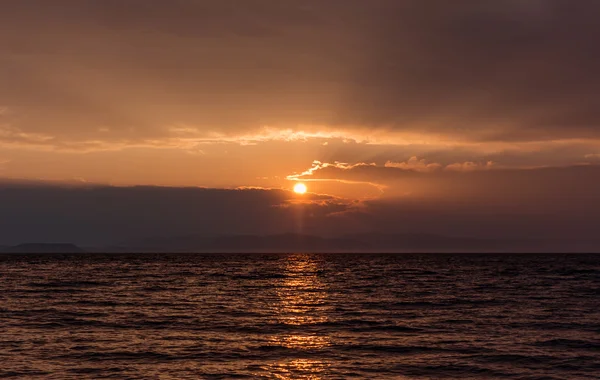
column 300, row 316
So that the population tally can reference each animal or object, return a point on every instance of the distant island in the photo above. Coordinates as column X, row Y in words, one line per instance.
column 43, row 248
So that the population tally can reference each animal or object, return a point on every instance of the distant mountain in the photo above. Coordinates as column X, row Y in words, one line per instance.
column 43, row 248
column 365, row 242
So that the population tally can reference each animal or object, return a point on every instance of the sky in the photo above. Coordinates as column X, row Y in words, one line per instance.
column 465, row 117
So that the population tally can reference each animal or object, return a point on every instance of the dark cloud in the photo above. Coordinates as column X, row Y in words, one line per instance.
column 490, row 70
column 483, row 70
column 542, row 203
column 88, row 214
column 573, row 218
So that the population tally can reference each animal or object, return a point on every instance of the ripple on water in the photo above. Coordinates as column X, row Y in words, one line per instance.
column 290, row 316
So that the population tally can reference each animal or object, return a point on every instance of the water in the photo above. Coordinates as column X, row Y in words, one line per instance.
column 300, row 316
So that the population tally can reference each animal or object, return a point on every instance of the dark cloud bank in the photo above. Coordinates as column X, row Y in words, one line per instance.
column 538, row 203
column 109, row 215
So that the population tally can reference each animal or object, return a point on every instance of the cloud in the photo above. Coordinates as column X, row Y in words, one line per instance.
column 456, row 85
column 421, row 165
column 545, row 203
column 110, row 73
column 485, row 70
column 414, row 163
column 470, row 166
column 534, row 218
column 85, row 213
column 407, row 168
column 3, row 162
column 13, row 135
column 468, row 180
column 318, row 165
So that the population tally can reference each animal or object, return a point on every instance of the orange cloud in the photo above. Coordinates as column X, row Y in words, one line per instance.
column 414, row 164
column 421, row 165
column 318, row 165
column 470, row 166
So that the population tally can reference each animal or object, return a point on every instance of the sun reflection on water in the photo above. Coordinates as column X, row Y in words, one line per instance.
column 308, row 368
column 302, row 295
column 301, row 304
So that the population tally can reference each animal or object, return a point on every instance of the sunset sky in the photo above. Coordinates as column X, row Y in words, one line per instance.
column 466, row 117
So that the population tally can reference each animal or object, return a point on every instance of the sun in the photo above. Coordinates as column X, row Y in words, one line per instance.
column 300, row 188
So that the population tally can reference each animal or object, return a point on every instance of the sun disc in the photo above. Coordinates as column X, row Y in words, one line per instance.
column 300, row 188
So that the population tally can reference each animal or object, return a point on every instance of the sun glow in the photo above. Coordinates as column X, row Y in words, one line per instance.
column 300, row 188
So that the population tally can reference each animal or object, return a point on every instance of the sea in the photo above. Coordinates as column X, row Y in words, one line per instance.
column 300, row 316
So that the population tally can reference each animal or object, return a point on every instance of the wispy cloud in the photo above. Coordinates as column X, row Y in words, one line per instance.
column 318, row 165
column 414, row 163
column 308, row 175
column 470, row 166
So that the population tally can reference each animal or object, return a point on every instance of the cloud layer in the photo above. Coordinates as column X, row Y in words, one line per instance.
column 461, row 100
column 545, row 203
column 419, row 180
column 87, row 214
column 135, row 72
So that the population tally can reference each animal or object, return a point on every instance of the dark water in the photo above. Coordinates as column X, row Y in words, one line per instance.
column 300, row 316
